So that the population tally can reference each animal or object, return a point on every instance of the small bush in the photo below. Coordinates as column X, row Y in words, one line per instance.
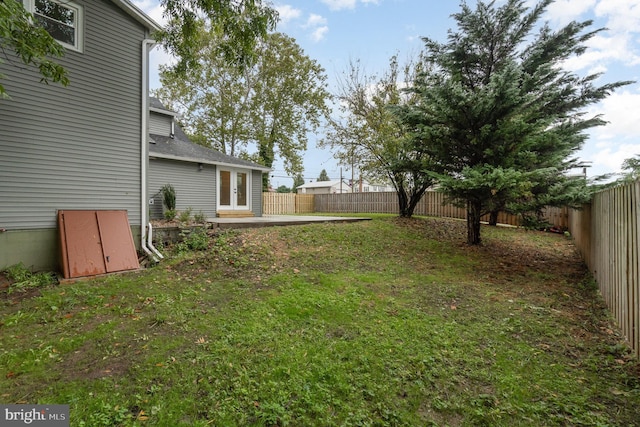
column 169, row 197
column 185, row 215
column 170, row 214
column 532, row 222
column 193, row 240
column 200, row 218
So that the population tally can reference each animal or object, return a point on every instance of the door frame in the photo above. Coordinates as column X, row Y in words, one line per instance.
column 233, row 188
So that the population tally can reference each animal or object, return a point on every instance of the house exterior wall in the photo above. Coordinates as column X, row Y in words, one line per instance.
column 320, row 190
column 194, row 188
column 74, row 147
column 256, row 192
column 159, row 124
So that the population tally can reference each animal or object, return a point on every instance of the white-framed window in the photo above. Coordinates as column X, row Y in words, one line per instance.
column 63, row 19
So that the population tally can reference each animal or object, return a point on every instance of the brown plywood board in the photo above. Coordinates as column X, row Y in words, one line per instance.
column 95, row 242
column 81, row 246
column 117, row 242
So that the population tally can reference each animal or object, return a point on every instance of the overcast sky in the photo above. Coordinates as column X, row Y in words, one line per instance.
column 333, row 32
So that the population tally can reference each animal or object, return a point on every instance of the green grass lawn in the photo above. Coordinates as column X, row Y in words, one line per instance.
column 382, row 323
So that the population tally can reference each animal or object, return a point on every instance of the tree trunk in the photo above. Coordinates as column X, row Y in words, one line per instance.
column 493, row 218
column 474, row 211
column 266, row 156
column 403, row 204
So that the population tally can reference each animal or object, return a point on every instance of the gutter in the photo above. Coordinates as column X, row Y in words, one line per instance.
column 147, row 45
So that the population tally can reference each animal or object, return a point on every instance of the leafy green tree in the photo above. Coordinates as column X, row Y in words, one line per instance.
column 497, row 114
column 271, row 105
column 283, row 189
column 298, row 180
column 31, row 44
column 369, row 134
column 632, row 168
column 323, row 176
column 243, row 22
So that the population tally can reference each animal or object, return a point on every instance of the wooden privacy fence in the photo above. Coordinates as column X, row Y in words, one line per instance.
column 287, row 203
column 607, row 233
column 431, row 204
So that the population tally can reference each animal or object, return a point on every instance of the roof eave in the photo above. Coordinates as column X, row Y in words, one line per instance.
column 164, row 111
column 138, row 15
column 208, row 162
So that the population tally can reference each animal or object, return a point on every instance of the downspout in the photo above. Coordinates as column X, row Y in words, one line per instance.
column 147, row 45
column 150, row 243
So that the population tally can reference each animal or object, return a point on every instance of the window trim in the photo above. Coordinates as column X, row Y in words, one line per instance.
column 78, row 13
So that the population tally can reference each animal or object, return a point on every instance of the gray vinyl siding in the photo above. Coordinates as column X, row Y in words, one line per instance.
column 75, row 147
column 194, row 188
column 256, row 190
column 159, row 124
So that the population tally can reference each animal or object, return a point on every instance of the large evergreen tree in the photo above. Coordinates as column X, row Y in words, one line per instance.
column 498, row 115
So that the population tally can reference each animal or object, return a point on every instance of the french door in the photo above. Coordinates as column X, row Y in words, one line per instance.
column 233, row 189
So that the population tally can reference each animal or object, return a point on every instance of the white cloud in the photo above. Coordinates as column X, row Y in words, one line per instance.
column 610, row 158
column 617, row 44
column 564, row 11
column 618, row 140
column 603, row 49
column 287, row 13
column 317, row 25
column 347, row 4
column 315, row 21
column 340, row 4
column 620, row 109
column 621, row 15
column 319, row 33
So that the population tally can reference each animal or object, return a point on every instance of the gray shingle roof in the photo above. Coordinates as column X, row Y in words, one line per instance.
column 181, row 148
column 155, row 103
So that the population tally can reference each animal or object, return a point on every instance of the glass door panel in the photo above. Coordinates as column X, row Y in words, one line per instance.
column 225, row 188
column 241, row 193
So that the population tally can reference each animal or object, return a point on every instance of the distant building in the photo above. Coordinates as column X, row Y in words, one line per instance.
column 364, row 186
column 325, row 187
